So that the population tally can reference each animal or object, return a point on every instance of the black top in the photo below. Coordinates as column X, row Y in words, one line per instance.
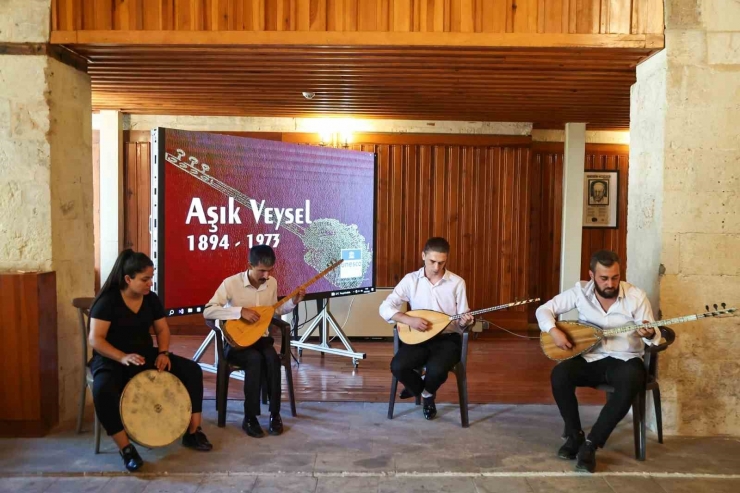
column 129, row 331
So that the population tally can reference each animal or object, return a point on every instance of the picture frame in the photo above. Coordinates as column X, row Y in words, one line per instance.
column 600, row 198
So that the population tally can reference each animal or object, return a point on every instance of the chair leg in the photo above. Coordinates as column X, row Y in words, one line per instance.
column 291, row 390
column 222, row 393
column 83, row 396
column 658, row 413
column 462, row 392
column 392, row 398
column 638, row 423
column 97, row 434
column 417, row 400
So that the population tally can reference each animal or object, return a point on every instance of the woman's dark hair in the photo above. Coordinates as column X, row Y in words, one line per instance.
column 129, row 263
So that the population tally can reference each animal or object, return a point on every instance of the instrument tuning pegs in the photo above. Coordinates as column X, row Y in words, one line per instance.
column 715, row 306
column 706, row 307
column 724, row 306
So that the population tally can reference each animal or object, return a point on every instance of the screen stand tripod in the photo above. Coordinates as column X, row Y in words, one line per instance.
column 324, row 320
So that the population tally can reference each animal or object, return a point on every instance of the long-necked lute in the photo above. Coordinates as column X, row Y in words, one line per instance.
column 241, row 334
column 585, row 336
column 439, row 321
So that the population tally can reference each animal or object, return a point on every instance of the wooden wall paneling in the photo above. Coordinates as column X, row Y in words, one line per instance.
column 29, row 383
column 610, row 157
column 460, row 16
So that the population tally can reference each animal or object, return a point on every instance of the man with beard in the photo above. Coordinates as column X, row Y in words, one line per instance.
column 606, row 302
column 232, row 301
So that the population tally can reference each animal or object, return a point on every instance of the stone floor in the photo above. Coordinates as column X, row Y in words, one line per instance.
column 353, row 447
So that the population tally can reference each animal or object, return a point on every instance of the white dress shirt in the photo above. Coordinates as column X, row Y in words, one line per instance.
column 448, row 295
column 236, row 292
column 631, row 307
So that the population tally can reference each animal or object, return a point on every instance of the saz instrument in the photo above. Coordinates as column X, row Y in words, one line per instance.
column 155, row 408
column 241, row 334
column 584, row 336
column 439, row 321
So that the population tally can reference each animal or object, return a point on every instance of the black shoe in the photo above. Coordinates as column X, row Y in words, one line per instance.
column 131, row 458
column 429, row 409
column 197, row 441
column 569, row 450
column 405, row 394
column 252, row 427
column 276, row 425
column 586, row 457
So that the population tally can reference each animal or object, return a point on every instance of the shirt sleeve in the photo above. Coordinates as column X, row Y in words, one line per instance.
column 395, row 301
column 286, row 307
column 644, row 311
column 562, row 303
column 156, row 305
column 103, row 308
column 462, row 299
column 219, row 308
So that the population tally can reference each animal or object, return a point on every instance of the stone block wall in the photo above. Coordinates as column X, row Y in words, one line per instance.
column 46, row 192
column 696, row 148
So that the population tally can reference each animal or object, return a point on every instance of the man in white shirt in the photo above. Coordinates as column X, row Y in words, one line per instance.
column 432, row 287
column 232, row 301
column 608, row 303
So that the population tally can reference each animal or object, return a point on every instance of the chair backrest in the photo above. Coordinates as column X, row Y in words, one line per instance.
column 211, row 324
column 651, row 352
column 83, row 306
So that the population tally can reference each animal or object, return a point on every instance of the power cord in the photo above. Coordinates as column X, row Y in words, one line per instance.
column 349, row 310
column 510, row 332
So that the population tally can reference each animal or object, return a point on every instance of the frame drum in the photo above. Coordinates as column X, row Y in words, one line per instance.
column 155, row 408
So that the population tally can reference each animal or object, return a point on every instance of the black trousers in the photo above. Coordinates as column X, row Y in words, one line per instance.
column 627, row 378
column 439, row 354
column 258, row 358
column 110, row 377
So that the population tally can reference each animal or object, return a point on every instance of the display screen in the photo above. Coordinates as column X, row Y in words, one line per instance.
column 214, row 196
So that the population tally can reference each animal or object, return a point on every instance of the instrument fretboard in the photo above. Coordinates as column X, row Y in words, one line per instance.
column 493, row 308
column 661, row 323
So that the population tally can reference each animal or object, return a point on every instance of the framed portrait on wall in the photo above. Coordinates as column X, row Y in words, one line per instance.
column 600, row 198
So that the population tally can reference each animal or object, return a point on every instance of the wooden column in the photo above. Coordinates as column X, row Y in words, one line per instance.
column 29, row 383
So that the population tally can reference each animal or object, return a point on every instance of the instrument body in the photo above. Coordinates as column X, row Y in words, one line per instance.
column 439, row 321
column 241, row 334
column 585, row 336
column 155, row 408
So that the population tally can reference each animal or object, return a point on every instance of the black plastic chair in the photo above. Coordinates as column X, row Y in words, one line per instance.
column 83, row 313
column 651, row 383
column 225, row 368
column 460, row 371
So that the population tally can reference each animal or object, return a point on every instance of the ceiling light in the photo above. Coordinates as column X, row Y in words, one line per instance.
column 308, row 95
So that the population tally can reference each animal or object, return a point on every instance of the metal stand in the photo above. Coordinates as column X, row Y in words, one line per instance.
column 326, row 319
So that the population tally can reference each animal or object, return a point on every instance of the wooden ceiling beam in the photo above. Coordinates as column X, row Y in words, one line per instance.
column 360, row 38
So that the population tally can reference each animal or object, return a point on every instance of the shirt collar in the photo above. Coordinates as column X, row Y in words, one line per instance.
column 445, row 277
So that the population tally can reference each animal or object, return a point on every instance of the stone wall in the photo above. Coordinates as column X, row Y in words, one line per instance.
column 25, row 164
column 698, row 148
column 46, row 191
column 70, row 141
column 25, row 21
